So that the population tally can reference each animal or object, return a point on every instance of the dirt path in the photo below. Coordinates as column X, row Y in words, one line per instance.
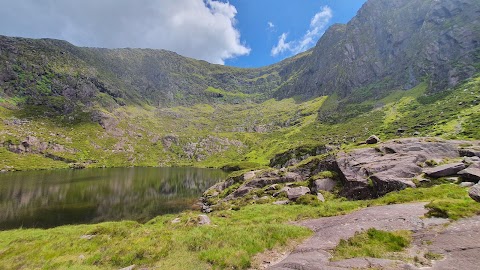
column 313, row 253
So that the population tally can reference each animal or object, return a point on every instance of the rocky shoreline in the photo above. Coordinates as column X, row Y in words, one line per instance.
column 370, row 171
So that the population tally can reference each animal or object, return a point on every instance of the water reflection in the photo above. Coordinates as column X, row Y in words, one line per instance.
column 52, row 198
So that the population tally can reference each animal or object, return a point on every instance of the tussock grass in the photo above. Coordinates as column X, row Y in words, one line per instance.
column 453, row 208
column 372, row 243
column 230, row 242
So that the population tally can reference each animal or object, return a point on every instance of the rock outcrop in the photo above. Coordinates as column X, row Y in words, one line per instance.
column 370, row 172
column 445, row 170
column 363, row 173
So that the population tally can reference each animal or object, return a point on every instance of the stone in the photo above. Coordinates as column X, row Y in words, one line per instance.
column 295, row 193
column 87, row 236
column 320, row 197
column 249, row 175
column 469, row 152
column 445, row 170
column 272, row 187
column 285, row 189
column 326, row 184
column 467, row 184
column 372, row 140
column 471, row 174
column 383, row 183
column 471, row 160
column 77, row 166
column 281, row 202
column 131, row 267
column 176, row 220
column 424, row 180
column 453, row 179
column 240, row 192
column 474, row 193
column 203, row 220
column 274, row 177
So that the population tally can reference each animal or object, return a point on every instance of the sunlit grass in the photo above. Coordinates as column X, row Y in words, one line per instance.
column 231, row 241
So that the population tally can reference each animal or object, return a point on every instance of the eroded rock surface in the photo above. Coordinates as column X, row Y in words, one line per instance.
column 371, row 172
column 314, row 253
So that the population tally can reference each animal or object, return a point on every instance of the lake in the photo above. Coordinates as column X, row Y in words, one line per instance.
column 47, row 199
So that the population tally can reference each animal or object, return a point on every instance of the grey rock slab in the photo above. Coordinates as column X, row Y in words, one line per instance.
column 459, row 244
column 313, row 253
column 368, row 263
column 281, row 202
column 445, row 170
column 471, row 174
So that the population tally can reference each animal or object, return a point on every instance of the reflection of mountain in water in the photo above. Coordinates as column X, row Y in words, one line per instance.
column 51, row 198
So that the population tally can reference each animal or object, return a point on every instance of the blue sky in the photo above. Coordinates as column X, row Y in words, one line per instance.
column 234, row 32
column 288, row 16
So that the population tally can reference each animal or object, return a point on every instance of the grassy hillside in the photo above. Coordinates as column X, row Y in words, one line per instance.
column 213, row 135
column 231, row 242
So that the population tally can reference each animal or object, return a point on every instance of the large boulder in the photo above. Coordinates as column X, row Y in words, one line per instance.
column 391, row 166
column 445, row 170
column 474, row 193
column 295, row 193
column 470, row 174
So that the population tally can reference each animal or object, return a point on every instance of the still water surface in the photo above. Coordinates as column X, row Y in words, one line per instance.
column 51, row 198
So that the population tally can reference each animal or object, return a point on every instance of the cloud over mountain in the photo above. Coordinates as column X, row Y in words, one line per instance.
column 200, row 29
column 317, row 27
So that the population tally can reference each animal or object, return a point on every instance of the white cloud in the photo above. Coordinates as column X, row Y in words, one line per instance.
column 281, row 46
column 317, row 27
column 271, row 25
column 195, row 28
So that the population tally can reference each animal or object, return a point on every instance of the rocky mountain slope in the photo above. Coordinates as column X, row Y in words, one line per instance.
column 398, row 68
column 388, row 45
column 394, row 44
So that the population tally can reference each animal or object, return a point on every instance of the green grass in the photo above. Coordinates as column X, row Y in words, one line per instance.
column 372, row 243
column 247, row 133
column 230, row 242
column 453, row 208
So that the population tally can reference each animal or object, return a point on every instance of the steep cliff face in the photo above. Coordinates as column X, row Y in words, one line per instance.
column 394, row 44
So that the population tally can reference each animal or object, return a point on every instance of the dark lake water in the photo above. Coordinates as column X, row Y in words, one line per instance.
column 51, row 198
